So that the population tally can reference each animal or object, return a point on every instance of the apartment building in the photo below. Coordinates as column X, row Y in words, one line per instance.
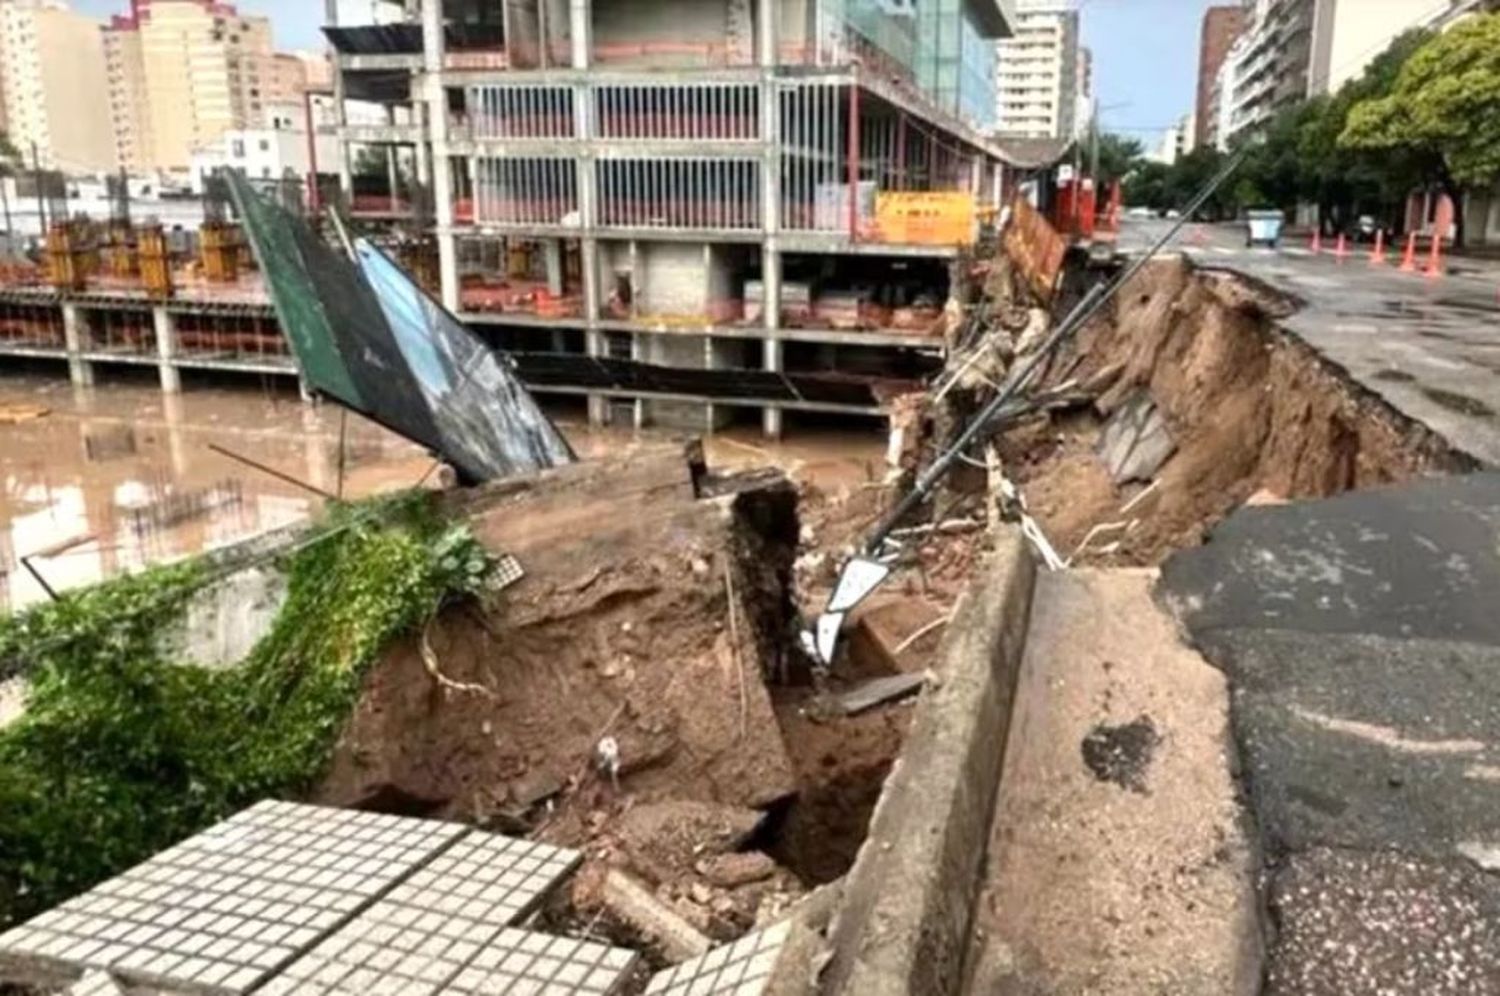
column 54, row 85
column 1294, row 49
column 682, row 210
column 1037, row 73
column 181, row 73
column 1221, row 27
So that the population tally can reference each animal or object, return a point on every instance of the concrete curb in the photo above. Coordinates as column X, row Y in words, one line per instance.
column 903, row 924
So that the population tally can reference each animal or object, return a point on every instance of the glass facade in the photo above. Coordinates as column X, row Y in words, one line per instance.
column 937, row 43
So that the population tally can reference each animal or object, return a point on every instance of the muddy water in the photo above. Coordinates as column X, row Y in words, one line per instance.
column 118, row 477
column 112, row 479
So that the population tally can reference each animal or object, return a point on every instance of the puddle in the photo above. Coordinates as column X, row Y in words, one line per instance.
column 1395, row 376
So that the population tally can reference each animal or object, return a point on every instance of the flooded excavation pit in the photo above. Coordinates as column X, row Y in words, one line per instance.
column 1192, row 401
column 633, row 695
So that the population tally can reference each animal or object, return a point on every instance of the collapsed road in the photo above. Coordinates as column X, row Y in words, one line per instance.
column 973, row 795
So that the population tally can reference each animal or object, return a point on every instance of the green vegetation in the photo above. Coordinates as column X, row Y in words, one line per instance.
column 121, row 752
column 1425, row 112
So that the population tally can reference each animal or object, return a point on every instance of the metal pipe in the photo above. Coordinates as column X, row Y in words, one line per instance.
column 1081, row 314
column 272, row 471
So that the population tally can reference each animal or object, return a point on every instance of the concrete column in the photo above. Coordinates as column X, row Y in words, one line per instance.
column 597, row 404
column 431, row 88
column 552, row 250
column 581, row 31
column 340, row 119
column 769, row 45
column 423, row 163
column 769, row 29
column 75, row 338
column 166, row 349
column 770, row 275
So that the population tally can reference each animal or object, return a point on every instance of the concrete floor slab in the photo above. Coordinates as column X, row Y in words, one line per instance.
column 1118, row 862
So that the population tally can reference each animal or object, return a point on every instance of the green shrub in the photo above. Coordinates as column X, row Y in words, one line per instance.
column 120, row 752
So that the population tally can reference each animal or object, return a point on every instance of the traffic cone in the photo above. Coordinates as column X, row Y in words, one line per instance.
column 1377, row 255
column 1316, row 245
column 1435, row 258
column 1342, row 249
column 1409, row 257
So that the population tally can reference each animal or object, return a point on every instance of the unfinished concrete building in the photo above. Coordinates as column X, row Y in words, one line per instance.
column 682, row 208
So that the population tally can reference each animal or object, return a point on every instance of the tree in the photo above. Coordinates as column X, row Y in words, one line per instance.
column 1146, row 186
column 1119, row 157
column 1443, row 110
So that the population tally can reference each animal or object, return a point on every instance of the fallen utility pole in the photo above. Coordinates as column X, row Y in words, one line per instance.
column 863, row 574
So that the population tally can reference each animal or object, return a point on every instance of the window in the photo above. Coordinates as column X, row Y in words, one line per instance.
column 265, row 145
column 237, row 148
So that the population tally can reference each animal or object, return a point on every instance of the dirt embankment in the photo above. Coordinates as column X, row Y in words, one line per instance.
column 1252, row 411
column 655, row 626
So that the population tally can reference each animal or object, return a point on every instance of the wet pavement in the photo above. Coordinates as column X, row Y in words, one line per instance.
column 1430, row 347
column 1360, row 639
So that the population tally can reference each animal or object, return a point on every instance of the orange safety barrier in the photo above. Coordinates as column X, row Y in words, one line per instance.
column 1435, row 257
column 1035, row 247
column 1377, row 254
column 1315, row 244
column 1342, row 248
column 942, row 218
column 1409, row 257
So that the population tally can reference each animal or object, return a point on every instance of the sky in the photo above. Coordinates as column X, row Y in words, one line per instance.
column 1145, row 51
column 294, row 22
column 1146, row 58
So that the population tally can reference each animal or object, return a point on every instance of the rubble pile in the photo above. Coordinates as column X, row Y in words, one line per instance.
column 638, row 693
column 1172, row 408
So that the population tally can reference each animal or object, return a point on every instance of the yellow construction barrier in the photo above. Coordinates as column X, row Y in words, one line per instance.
column 930, row 218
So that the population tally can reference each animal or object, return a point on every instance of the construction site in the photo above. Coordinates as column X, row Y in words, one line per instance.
column 1136, row 636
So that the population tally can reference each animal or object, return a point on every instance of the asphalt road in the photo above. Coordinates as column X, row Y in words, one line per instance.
column 1429, row 346
column 1362, row 647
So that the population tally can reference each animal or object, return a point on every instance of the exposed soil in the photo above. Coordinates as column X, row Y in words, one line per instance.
column 1251, row 409
column 660, row 616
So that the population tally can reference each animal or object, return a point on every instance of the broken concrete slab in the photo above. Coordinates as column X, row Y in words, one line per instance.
column 903, row 925
column 1118, row 743
column 1136, row 441
column 632, row 903
column 879, row 691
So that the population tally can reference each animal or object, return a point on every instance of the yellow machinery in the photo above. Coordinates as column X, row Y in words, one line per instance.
column 71, row 255
column 220, row 247
column 119, row 251
column 155, row 261
column 419, row 257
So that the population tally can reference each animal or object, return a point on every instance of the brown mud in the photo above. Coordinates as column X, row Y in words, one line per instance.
column 1252, row 410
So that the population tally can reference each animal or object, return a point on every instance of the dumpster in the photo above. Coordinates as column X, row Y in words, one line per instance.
column 1264, row 228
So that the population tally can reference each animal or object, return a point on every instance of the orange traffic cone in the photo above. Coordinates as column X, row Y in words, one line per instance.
column 1316, row 245
column 1435, row 258
column 1342, row 249
column 1409, row 257
column 1377, row 254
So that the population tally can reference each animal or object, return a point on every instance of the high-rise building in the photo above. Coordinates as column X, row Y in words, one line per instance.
column 1221, row 26
column 1085, row 107
column 52, row 75
column 684, row 205
column 1036, row 75
column 182, row 72
column 1294, row 49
